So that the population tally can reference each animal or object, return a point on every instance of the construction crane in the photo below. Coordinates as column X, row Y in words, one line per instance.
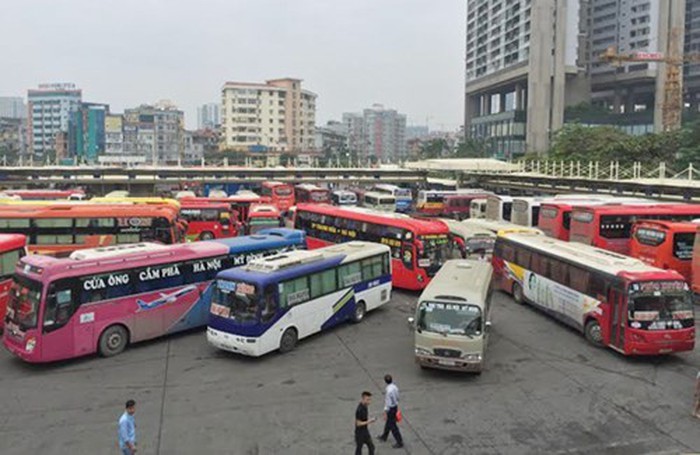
column 672, row 107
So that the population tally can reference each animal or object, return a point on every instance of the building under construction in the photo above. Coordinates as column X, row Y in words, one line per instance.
column 529, row 62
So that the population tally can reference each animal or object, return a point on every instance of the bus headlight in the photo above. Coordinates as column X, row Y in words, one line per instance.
column 472, row 357
column 421, row 351
column 31, row 344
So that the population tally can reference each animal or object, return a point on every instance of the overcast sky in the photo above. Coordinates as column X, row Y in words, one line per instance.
column 405, row 54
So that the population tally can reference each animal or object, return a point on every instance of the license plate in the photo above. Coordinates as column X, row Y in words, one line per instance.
column 447, row 363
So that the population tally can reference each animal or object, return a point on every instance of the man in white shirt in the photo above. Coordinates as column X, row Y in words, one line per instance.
column 391, row 408
column 696, row 411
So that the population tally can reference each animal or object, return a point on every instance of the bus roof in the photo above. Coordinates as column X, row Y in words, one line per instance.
column 588, row 256
column 499, row 226
column 448, row 285
column 648, row 208
column 263, row 209
column 104, row 260
column 309, row 187
column 500, row 197
column 467, row 229
column 570, row 204
column 136, row 200
column 12, row 242
column 88, row 211
column 189, row 204
column 378, row 195
column 275, row 237
column 418, row 226
column 284, row 266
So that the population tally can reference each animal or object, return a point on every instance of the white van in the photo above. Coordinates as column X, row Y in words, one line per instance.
column 452, row 319
column 477, row 209
column 379, row 201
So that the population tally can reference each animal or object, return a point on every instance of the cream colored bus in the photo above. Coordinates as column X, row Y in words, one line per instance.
column 452, row 319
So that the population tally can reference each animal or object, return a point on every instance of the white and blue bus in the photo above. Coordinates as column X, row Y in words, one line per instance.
column 273, row 302
column 403, row 196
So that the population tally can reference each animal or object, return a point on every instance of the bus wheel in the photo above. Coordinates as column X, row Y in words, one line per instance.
column 206, row 236
column 518, row 293
column 113, row 340
column 593, row 333
column 289, row 340
column 359, row 314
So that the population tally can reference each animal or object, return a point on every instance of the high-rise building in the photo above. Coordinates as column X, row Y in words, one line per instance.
column 527, row 61
column 275, row 116
column 208, row 116
column 523, row 66
column 86, row 132
column 50, row 107
column 13, row 144
column 12, row 107
column 633, row 89
column 377, row 133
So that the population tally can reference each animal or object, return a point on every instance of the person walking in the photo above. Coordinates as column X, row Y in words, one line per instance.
column 391, row 408
column 696, row 411
column 127, row 429
column 362, row 421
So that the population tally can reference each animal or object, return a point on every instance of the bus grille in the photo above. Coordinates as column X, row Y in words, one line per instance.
column 452, row 353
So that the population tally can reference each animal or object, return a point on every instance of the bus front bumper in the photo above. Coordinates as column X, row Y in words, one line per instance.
column 232, row 343
column 450, row 363
column 661, row 342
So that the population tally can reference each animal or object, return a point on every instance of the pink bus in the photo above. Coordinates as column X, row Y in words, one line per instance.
column 102, row 299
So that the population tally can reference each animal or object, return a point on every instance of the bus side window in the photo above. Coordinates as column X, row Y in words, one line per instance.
column 60, row 306
column 269, row 308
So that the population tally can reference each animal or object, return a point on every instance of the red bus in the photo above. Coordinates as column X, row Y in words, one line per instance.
column 457, row 205
column 610, row 226
column 239, row 203
column 418, row 247
column 61, row 229
column 263, row 216
column 616, row 301
column 308, row 192
column 664, row 244
column 206, row 220
column 555, row 216
column 281, row 194
column 46, row 195
column 12, row 248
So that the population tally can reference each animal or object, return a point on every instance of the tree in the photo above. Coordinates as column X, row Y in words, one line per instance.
column 433, row 148
column 473, row 148
column 575, row 142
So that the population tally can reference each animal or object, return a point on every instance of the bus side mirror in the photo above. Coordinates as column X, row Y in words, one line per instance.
column 411, row 323
column 487, row 326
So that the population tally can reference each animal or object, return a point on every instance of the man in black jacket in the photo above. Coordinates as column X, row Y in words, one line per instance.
column 362, row 420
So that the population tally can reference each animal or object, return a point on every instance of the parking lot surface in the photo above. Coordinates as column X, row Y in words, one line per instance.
column 544, row 390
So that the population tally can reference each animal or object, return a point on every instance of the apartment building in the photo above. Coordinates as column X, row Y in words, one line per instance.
column 50, row 107
column 275, row 116
column 208, row 116
column 377, row 133
column 12, row 107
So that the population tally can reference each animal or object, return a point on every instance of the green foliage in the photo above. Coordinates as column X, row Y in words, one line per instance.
column 433, row 148
column 473, row 148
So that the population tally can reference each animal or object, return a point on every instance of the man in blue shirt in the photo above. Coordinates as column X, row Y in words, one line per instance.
column 127, row 429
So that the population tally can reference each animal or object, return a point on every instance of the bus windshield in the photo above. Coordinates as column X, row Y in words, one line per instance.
column 435, row 252
column 237, row 301
column 654, row 301
column 450, row 318
column 23, row 306
column 283, row 190
column 318, row 196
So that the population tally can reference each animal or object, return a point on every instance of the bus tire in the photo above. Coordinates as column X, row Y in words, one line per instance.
column 593, row 333
column 206, row 236
column 518, row 294
column 289, row 340
column 113, row 340
column 360, row 311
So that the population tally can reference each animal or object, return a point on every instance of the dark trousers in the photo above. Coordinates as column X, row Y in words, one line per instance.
column 362, row 439
column 391, row 425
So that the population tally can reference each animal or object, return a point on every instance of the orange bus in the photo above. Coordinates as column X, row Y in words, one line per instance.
column 281, row 194
column 61, row 229
column 12, row 249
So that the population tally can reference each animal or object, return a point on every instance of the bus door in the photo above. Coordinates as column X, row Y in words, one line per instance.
column 407, row 258
column 618, row 318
